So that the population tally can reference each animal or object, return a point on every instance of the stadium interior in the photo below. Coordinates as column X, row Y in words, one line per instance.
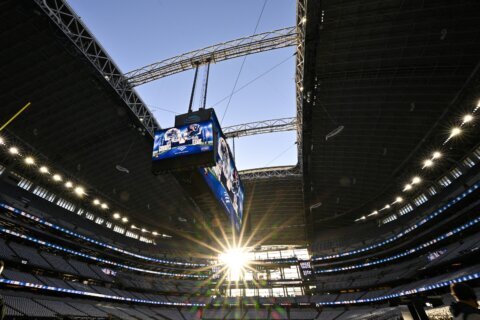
column 378, row 218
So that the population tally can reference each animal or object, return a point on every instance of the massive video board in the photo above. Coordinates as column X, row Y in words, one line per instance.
column 197, row 144
column 183, row 147
column 223, row 179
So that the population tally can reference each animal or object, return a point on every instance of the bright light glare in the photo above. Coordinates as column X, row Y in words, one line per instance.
column 57, row 177
column 235, row 259
column 399, row 199
column 68, row 184
column 13, row 150
column 116, row 215
column 373, row 213
column 436, row 155
column 29, row 160
column 416, row 180
column 407, row 187
column 455, row 132
column 80, row 191
column 43, row 169
column 428, row 163
column 467, row 118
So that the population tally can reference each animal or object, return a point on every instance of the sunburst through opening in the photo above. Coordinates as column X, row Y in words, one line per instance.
column 235, row 261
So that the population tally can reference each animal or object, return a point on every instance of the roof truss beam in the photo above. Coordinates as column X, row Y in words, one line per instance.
column 260, row 127
column 261, row 42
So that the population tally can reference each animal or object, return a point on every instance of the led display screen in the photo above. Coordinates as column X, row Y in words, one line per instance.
column 184, row 140
column 223, row 179
column 197, row 153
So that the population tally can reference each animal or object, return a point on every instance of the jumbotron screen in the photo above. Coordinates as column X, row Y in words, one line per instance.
column 224, row 180
column 187, row 139
column 178, row 148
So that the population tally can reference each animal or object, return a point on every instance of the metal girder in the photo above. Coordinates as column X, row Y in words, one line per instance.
column 227, row 50
column 71, row 25
column 301, row 24
column 267, row 126
column 296, row 171
column 271, row 172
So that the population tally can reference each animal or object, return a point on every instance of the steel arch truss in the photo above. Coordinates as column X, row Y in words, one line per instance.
column 276, row 39
column 296, row 171
column 271, row 172
column 260, row 127
column 65, row 19
column 301, row 24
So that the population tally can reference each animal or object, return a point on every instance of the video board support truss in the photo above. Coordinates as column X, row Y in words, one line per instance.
column 276, row 39
column 65, row 18
column 272, row 172
column 260, row 127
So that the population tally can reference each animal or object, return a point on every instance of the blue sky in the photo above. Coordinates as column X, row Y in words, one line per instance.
column 137, row 33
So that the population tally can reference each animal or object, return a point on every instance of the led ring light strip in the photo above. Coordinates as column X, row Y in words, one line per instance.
column 97, row 295
column 102, row 244
column 120, row 265
column 408, row 252
column 437, row 285
column 403, row 233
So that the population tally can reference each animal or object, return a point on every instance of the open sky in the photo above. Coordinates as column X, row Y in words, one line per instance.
column 137, row 33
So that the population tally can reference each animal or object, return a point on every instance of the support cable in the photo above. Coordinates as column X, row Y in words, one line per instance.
column 243, row 63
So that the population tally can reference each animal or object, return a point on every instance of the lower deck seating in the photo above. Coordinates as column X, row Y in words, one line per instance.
column 27, row 307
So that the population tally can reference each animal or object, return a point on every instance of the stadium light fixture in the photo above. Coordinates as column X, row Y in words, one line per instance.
column 43, row 169
column 96, row 202
column 68, row 184
column 104, row 206
column 124, row 219
column 387, row 207
column 57, row 177
column 373, row 213
column 416, row 180
column 436, row 155
column 13, row 150
column 407, row 187
column 2, row 142
column 116, row 215
column 467, row 118
column 29, row 161
column 144, row 230
column 455, row 132
column 428, row 163
column 235, row 260
column 398, row 200
column 80, row 191
column 155, row 233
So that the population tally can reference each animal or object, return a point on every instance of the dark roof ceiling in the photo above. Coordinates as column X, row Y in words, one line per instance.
column 391, row 72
